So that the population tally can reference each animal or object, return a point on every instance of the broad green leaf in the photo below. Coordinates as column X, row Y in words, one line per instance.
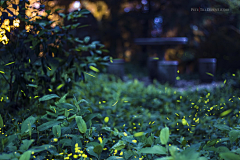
column 128, row 154
column 62, row 99
column 37, row 149
column 1, row 121
column 91, row 152
column 222, row 149
column 28, row 122
column 81, row 124
column 48, row 97
column 32, row 85
column 57, row 131
column 66, row 142
column 119, row 145
column 202, row 158
column 154, row 150
column 26, row 144
column 222, row 127
column 191, row 153
column 233, row 135
column 6, row 156
column 98, row 149
column 66, row 113
column 26, row 155
column 173, row 150
column 92, row 144
column 71, row 118
column 164, row 135
column 60, row 117
column 212, row 142
column 47, row 125
column 229, row 156
column 91, row 116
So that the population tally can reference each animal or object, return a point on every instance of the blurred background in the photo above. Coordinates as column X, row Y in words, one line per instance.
column 211, row 26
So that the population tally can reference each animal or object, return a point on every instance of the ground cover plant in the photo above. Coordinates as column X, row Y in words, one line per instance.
column 104, row 121
column 101, row 117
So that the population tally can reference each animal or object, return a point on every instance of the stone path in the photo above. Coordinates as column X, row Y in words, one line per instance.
column 183, row 85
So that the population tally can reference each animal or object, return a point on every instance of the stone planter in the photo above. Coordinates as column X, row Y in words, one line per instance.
column 152, row 66
column 116, row 67
column 206, row 66
column 167, row 72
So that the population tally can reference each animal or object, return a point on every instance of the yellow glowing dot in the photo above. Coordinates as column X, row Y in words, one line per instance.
column 138, row 134
column 55, row 139
column 134, row 141
column 106, row 119
column 75, row 156
column 100, row 139
column 184, row 122
column 125, row 134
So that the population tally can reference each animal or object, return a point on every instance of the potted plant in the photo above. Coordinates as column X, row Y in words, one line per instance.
column 207, row 69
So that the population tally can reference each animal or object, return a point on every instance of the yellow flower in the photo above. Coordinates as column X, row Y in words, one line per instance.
column 125, row 134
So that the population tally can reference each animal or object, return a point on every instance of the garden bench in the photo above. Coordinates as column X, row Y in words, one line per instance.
column 163, row 71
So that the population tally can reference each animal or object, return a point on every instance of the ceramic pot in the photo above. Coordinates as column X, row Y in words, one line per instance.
column 116, row 67
column 152, row 66
column 207, row 69
column 167, row 72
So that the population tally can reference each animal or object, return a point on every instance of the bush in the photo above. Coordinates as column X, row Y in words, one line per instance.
column 38, row 59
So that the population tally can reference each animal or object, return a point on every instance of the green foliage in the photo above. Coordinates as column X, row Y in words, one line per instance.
column 73, row 125
column 36, row 63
